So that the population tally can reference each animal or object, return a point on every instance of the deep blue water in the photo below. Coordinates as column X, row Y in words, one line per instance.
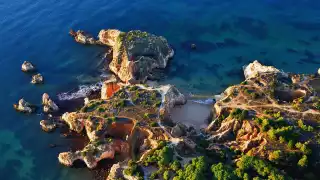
column 228, row 35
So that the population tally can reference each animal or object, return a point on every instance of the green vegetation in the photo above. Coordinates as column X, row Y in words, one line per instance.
column 162, row 157
column 262, row 168
column 303, row 162
column 223, row 172
column 153, row 124
column 194, row 171
column 134, row 170
column 304, row 127
column 238, row 114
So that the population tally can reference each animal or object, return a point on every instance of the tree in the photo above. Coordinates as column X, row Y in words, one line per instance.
column 193, row 171
column 222, row 172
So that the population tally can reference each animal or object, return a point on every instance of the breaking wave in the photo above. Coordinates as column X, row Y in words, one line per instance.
column 83, row 91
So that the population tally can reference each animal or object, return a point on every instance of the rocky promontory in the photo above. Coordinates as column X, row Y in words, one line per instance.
column 266, row 127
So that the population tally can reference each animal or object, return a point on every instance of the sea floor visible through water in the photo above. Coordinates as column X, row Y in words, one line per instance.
column 227, row 33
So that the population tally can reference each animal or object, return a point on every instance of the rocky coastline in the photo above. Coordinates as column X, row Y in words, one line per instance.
column 266, row 127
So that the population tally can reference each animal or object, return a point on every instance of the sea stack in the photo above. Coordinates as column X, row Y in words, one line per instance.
column 28, row 67
column 37, row 79
column 48, row 104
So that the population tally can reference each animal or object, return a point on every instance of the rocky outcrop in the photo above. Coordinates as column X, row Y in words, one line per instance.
column 37, row 79
column 136, row 54
column 47, row 125
column 109, row 37
column 170, row 98
column 255, row 68
column 74, row 120
column 226, row 131
column 90, row 155
column 116, row 172
column 28, row 67
column 48, row 104
column 23, row 106
column 82, row 37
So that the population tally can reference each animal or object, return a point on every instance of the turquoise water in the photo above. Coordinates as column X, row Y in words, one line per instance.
column 228, row 35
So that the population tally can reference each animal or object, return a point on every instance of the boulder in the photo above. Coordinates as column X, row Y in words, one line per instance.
column 47, row 126
column 90, row 155
column 27, row 67
column 82, row 37
column 179, row 130
column 170, row 98
column 48, row 104
column 136, row 54
column 23, row 106
column 86, row 100
column 37, row 79
column 255, row 68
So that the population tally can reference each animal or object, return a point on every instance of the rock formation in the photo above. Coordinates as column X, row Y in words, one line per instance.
column 136, row 54
column 23, row 106
column 253, row 69
column 47, row 125
column 170, row 98
column 37, row 79
column 82, row 37
column 90, row 155
column 48, row 104
column 27, row 67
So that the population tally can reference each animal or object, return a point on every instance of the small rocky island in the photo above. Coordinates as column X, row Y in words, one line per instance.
column 266, row 127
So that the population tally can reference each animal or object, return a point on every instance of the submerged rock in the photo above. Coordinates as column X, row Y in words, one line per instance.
column 82, row 37
column 47, row 126
column 48, row 104
column 37, row 79
column 136, row 54
column 27, row 67
column 23, row 106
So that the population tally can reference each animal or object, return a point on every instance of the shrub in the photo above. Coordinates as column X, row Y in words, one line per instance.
column 303, row 162
column 275, row 155
column 166, row 175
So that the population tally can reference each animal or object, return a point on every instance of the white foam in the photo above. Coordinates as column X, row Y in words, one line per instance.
column 206, row 101
column 84, row 91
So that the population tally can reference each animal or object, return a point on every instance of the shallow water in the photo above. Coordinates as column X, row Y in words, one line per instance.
column 228, row 34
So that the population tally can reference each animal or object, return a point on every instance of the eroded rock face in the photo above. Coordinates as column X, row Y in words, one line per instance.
column 109, row 87
column 27, row 67
column 37, row 79
column 23, row 106
column 90, row 155
column 94, row 152
column 136, row 54
column 82, row 37
column 48, row 104
column 47, row 126
column 253, row 69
